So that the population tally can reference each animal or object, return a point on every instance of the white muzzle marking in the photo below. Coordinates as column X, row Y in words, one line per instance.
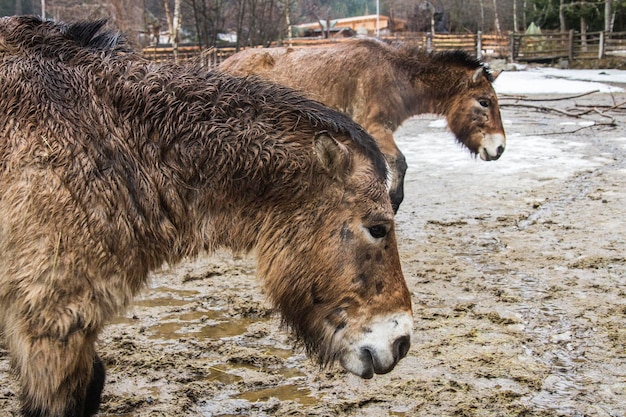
column 377, row 350
column 492, row 147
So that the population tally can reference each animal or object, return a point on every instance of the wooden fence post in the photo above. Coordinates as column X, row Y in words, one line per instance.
column 601, row 46
column 570, row 54
column 512, row 47
column 429, row 41
column 479, row 44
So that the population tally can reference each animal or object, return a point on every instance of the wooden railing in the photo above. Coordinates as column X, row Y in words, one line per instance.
column 548, row 47
column 567, row 45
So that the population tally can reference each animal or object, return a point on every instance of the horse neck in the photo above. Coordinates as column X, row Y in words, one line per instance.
column 435, row 87
column 208, row 186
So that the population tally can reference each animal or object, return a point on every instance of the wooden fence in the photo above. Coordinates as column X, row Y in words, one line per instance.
column 516, row 47
column 567, row 45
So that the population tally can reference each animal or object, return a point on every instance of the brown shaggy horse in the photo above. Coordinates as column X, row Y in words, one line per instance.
column 111, row 166
column 381, row 85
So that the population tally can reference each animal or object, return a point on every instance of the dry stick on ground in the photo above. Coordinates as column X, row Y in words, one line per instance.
column 606, row 108
column 565, row 112
column 540, row 108
column 526, row 98
column 612, row 123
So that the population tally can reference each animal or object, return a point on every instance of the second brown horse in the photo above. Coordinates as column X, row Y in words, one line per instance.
column 381, row 85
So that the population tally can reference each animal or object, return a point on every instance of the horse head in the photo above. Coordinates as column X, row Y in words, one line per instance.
column 474, row 115
column 335, row 273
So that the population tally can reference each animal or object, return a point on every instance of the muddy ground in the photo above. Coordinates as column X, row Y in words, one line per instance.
column 517, row 270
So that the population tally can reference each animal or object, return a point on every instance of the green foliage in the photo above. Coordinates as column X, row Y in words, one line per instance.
column 619, row 7
column 545, row 13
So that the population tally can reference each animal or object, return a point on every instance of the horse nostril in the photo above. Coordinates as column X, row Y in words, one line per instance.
column 401, row 347
column 499, row 151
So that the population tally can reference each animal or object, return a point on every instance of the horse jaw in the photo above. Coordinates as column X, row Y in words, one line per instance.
column 379, row 346
column 492, row 147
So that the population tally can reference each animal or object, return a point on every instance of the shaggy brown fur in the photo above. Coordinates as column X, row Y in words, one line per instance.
column 111, row 166
column 381, row 85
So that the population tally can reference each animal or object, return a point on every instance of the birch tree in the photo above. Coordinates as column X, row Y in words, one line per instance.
column 173, row 25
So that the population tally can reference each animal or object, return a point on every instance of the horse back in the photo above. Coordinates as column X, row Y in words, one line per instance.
column 358, row 77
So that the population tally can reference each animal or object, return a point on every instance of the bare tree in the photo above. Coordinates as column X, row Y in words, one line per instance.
column 320, row 10
column 209, row 17
column 173, row 24
column 496, row 20
column 608, row 6
column 482, row 15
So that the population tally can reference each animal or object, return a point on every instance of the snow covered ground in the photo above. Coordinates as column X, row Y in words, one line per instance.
column 558, row 81
column 549, row 156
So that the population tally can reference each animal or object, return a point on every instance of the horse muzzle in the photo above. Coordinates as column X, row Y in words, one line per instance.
column 493, row 147
column 380, row 346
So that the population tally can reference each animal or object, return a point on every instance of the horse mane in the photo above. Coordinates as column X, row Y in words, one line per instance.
column 414, row 55
column 316, row 113
column 456, row 57
column 89, row 34
column 462, row 58
column 61, row 40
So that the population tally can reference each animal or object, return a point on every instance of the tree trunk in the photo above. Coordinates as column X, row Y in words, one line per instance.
column 288, row 22
column 241, row 13
column 173, row 25
column 562, row 16
column 515, row 27
column 496, row 21
column 482, row 15
column 583, row 33
column 608, row 5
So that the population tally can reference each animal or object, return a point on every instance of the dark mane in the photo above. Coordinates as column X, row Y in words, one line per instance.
column 322, row 115
column 457, row 57
column 461, row 58
column 62, row 40
column 90, row 35
column 313, row 111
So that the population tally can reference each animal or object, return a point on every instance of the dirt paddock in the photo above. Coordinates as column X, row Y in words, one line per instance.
column 517, row 270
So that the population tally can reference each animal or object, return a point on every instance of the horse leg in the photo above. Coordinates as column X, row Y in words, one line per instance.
column 59, row 377
column 95, row 387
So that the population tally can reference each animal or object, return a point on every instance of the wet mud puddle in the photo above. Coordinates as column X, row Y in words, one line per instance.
column 218, row 324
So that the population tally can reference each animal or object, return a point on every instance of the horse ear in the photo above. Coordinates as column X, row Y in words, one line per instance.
column 477, row 74
column 333, row 156
column 495, row 74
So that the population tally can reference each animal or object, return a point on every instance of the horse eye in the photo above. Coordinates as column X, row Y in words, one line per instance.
column 483, row 102
column 378, row 231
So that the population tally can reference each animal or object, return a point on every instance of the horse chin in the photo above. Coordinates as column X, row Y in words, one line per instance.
column 380, row 347
column 358, row 364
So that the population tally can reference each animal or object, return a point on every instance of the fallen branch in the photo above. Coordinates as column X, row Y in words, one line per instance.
column 541, row 108
column 612, row 124
column 607, row 107
column 525, row 98
column 599, row 113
